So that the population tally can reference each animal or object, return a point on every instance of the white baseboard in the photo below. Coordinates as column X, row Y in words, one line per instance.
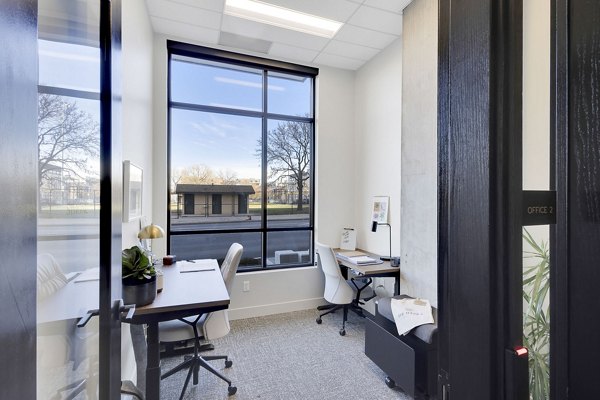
column 278, row 308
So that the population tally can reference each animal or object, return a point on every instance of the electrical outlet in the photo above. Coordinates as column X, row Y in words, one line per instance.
column 246, row 286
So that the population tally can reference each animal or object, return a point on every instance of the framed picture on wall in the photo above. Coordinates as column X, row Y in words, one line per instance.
column 132, row 191
column 380, row 209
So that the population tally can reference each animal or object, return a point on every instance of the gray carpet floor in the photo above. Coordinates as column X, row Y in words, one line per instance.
column 288, row 356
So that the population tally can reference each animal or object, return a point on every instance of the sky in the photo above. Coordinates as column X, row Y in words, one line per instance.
column 223, row 141
column 219, row 141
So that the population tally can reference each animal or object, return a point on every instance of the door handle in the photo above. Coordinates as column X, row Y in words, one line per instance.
column 126, row 308
column 86, row 318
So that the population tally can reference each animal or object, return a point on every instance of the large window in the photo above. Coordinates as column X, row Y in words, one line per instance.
column 241, row 147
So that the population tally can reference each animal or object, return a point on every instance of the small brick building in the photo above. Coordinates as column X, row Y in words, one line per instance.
column 209, row 200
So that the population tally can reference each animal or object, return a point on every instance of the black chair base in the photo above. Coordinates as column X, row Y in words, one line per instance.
column 195, row 361
column 334, row 307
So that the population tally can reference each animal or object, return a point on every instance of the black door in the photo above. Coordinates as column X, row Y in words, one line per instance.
column 217, row 206
column 243, row 204
column 479, row 187
column 575, row 276
column 188, row 204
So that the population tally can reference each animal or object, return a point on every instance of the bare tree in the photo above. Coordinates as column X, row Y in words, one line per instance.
column 228, row 177
column 67, row 136
column 288, row 155
column 197, row 174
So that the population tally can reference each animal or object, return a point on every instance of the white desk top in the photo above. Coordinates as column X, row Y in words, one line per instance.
column 181, row 291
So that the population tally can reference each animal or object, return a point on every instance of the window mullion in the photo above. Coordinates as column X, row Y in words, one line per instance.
column 264, row 169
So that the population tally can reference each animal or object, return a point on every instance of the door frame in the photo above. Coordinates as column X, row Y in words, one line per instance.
column 479, row 198
column 111, row 195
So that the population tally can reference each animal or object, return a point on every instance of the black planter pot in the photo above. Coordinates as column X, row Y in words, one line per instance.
column 140, row 292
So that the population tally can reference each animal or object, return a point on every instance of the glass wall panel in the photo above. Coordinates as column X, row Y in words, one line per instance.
column 69, row 198
column 215, row 84
column 536, row 176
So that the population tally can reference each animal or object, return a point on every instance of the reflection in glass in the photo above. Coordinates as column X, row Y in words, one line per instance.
column 190, row 247
column 69, row 199
column 289, row 94
column 288, row 165
column 215, row 170
column 289, row 248
column 215, row 84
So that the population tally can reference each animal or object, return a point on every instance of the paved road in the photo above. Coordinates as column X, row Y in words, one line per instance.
column 75, row 243
column 208, row 246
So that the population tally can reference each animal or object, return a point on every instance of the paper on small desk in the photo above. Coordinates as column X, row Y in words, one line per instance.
column 197, row 265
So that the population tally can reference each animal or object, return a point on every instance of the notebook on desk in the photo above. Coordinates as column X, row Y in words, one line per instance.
column 196, row 265
column 357, row 258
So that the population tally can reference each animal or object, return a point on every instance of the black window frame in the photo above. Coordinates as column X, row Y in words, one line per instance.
column 175, row 48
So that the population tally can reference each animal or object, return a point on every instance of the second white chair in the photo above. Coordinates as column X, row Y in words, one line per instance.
column 337, row 289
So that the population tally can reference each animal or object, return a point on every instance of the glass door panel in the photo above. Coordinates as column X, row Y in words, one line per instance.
column 536, row 176
column 68, row 198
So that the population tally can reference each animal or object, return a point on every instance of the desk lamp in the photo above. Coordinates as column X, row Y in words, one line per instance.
column 374, row 229
column 150, row 232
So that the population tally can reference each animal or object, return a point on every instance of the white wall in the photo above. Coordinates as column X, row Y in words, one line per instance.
column 281, row 290
column 419, row 150
column 137, row 67
column 137, row 42
column 536, row 106
column 378, row 119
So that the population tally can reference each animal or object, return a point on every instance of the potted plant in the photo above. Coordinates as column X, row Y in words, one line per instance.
column 139, row 277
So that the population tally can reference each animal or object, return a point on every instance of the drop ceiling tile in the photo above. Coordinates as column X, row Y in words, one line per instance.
column 294, row 53
column 338, row 61
column 395, row 6
column 185, row 31
column 257, row 30
column 350, row 50
column 214, row 5
column 364, row 37
column 379, row 20
column 338, row 10
column 186, row 14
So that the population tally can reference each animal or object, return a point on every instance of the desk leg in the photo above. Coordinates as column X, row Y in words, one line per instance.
column 153, row 363
column 397, row 285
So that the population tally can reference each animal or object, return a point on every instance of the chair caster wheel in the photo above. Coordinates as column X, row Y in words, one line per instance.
column 228, row 364
column 390, row 382
column 342, row 332
column 319, row 320
column 231, row 390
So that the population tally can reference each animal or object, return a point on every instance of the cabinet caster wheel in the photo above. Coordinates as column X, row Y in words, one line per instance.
column 319, row 320
column 390, row 382
column 231, row 390
column 342, row 332
column 228, row 364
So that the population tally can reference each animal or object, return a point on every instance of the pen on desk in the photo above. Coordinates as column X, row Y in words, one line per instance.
column 198, row 270
column 190, row 261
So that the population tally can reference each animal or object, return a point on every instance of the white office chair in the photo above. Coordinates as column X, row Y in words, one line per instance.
column 337, row 289
column 213, row 326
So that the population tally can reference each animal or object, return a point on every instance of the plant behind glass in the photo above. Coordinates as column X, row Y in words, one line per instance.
column 536, row 317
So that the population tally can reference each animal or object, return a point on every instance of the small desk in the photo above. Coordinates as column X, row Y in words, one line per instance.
column 384, row 270
column 183, row 295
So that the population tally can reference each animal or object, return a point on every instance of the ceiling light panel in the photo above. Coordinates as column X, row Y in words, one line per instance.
column 282, row 17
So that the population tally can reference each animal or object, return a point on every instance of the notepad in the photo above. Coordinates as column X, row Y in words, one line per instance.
column 197, row 265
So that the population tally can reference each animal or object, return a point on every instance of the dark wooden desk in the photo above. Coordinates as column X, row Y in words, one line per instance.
column 383, row 270
column 183, row 295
